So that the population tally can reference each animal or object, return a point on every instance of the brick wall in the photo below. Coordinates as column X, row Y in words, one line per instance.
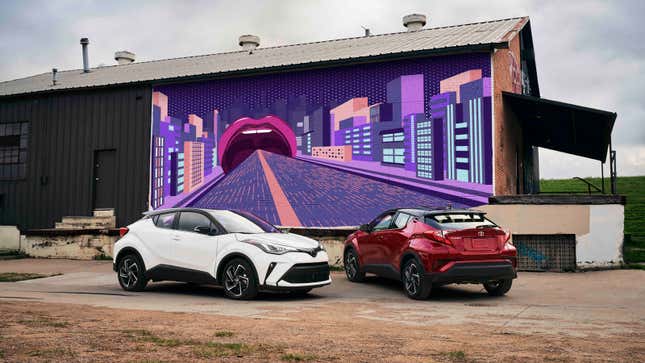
column 508, row 147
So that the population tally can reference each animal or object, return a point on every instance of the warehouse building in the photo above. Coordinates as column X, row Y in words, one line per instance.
column 307, row 135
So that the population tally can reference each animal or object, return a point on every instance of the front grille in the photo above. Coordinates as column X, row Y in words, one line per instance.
column 307, row 272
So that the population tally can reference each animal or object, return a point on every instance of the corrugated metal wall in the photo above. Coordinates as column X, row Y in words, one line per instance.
column 65, row 131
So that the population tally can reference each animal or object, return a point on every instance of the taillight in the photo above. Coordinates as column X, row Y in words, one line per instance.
column 437, row 236
column 507, row 237
column 123, row 231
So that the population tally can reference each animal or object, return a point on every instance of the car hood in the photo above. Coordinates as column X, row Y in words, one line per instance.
column 283, row 239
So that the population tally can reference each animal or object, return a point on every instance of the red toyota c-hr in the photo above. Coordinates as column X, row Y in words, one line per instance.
column 422, row 248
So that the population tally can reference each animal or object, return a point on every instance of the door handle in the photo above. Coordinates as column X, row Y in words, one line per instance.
column 175, row 238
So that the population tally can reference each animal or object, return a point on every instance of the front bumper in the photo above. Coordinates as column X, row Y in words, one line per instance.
column 473, row 272
column 306, row 275
column 292, row 271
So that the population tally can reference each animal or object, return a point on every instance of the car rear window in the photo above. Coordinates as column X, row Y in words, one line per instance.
column 447, row 221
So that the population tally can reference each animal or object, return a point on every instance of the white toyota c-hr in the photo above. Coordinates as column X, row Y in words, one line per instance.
column 234, row 249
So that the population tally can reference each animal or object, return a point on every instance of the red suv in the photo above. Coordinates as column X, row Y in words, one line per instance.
column 423, row 247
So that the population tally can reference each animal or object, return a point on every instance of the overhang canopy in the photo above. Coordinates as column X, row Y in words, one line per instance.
column 562, row 126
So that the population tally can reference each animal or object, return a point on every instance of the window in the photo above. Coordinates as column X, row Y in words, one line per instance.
column 164, row 220
column 241, row 222
column 458, row 221
column 13, row 149
column 383, row 223
column 401, row 220
column 188, row 221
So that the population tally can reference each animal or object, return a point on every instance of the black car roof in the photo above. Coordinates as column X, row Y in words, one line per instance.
column 420, row 212
column 172, row 210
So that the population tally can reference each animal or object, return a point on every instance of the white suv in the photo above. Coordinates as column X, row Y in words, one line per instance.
column 234, row 249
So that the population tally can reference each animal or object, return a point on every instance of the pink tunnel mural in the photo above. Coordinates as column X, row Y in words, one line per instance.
column 246, row 135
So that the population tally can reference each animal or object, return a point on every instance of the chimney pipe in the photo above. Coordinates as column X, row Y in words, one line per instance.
column 249, row 42
column 86, row 61
column 54, row 71
column 367, row 31
column 414, row 22
column 124, row 57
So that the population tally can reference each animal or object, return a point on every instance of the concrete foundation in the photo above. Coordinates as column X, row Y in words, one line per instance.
column 9, row 238
column 597, row 221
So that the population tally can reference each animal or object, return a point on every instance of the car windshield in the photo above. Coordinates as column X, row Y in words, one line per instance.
column 242, row 222
column 452, row 221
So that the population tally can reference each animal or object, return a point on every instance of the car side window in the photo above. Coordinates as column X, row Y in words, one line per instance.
column 383, row 223
column 164, row 220
column 401, row 220
column 191, row 221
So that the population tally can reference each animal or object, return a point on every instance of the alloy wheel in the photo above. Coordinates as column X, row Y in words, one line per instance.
column 412, row 279
column 351, row 264
column 236, row 280
column 129, row 272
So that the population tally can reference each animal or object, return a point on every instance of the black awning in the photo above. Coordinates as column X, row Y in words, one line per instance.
column 563, row 127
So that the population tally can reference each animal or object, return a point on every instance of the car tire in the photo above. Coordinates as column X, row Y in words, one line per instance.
column 499, row 287
column 131, row 273
column 239, row 280
column 352, row 266
column 414, row 281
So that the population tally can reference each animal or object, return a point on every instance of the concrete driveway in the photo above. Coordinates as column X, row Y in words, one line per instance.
column 578, row 304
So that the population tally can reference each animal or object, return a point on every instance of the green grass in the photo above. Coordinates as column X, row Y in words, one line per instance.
column 224, row 334
column 205, row 350
column 43, row 321
column 19, row 276
column 295, row 357
column 103, row 257
column 633, row 187
column 455, row 356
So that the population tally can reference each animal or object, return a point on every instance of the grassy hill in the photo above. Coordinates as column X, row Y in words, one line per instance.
column 634, row 188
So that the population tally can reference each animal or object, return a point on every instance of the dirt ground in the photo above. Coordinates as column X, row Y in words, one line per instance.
column 345, row 322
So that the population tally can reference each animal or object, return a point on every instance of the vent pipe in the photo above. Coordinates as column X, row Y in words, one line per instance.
column 54, row 71
column 414, row 22
column 249, row 42
column 86, row 61
column 124, row 57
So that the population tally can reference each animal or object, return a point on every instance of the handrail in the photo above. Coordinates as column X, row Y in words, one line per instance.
column 589, row 184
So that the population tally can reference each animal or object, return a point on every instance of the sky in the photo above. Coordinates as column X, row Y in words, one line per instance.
column 589, row 53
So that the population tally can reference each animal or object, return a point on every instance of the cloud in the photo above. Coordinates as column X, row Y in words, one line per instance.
column 588, row 52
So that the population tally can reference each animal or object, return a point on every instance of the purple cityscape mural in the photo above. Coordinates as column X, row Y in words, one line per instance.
column 327, row 147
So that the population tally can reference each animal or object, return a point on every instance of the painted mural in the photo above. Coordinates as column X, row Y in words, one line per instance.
column 328, row 147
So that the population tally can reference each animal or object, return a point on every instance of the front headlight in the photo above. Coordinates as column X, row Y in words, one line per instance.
column 270, row 247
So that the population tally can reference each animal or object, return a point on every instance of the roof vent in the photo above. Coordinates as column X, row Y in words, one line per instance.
column 249, row 42
column 86, row 61
column 414, row 22
column 54, row 72
column 124, row 57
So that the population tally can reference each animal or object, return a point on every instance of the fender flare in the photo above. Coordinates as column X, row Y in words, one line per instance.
column 222, row 263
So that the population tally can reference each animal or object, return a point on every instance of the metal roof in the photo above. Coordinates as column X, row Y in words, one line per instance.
column 442, row 39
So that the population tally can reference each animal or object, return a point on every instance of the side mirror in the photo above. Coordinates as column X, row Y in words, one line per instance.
column 204, row 230
column 364, row 228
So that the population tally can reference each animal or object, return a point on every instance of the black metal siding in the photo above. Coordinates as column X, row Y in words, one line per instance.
column 65, row 130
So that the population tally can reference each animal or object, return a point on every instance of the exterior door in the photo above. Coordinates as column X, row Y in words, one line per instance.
column 370, row 243
column 160, row 237
column 194, row 248
column 393, row 240
column 104, row 179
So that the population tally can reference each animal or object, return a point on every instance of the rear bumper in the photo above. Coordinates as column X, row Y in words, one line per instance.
column 473, row 272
